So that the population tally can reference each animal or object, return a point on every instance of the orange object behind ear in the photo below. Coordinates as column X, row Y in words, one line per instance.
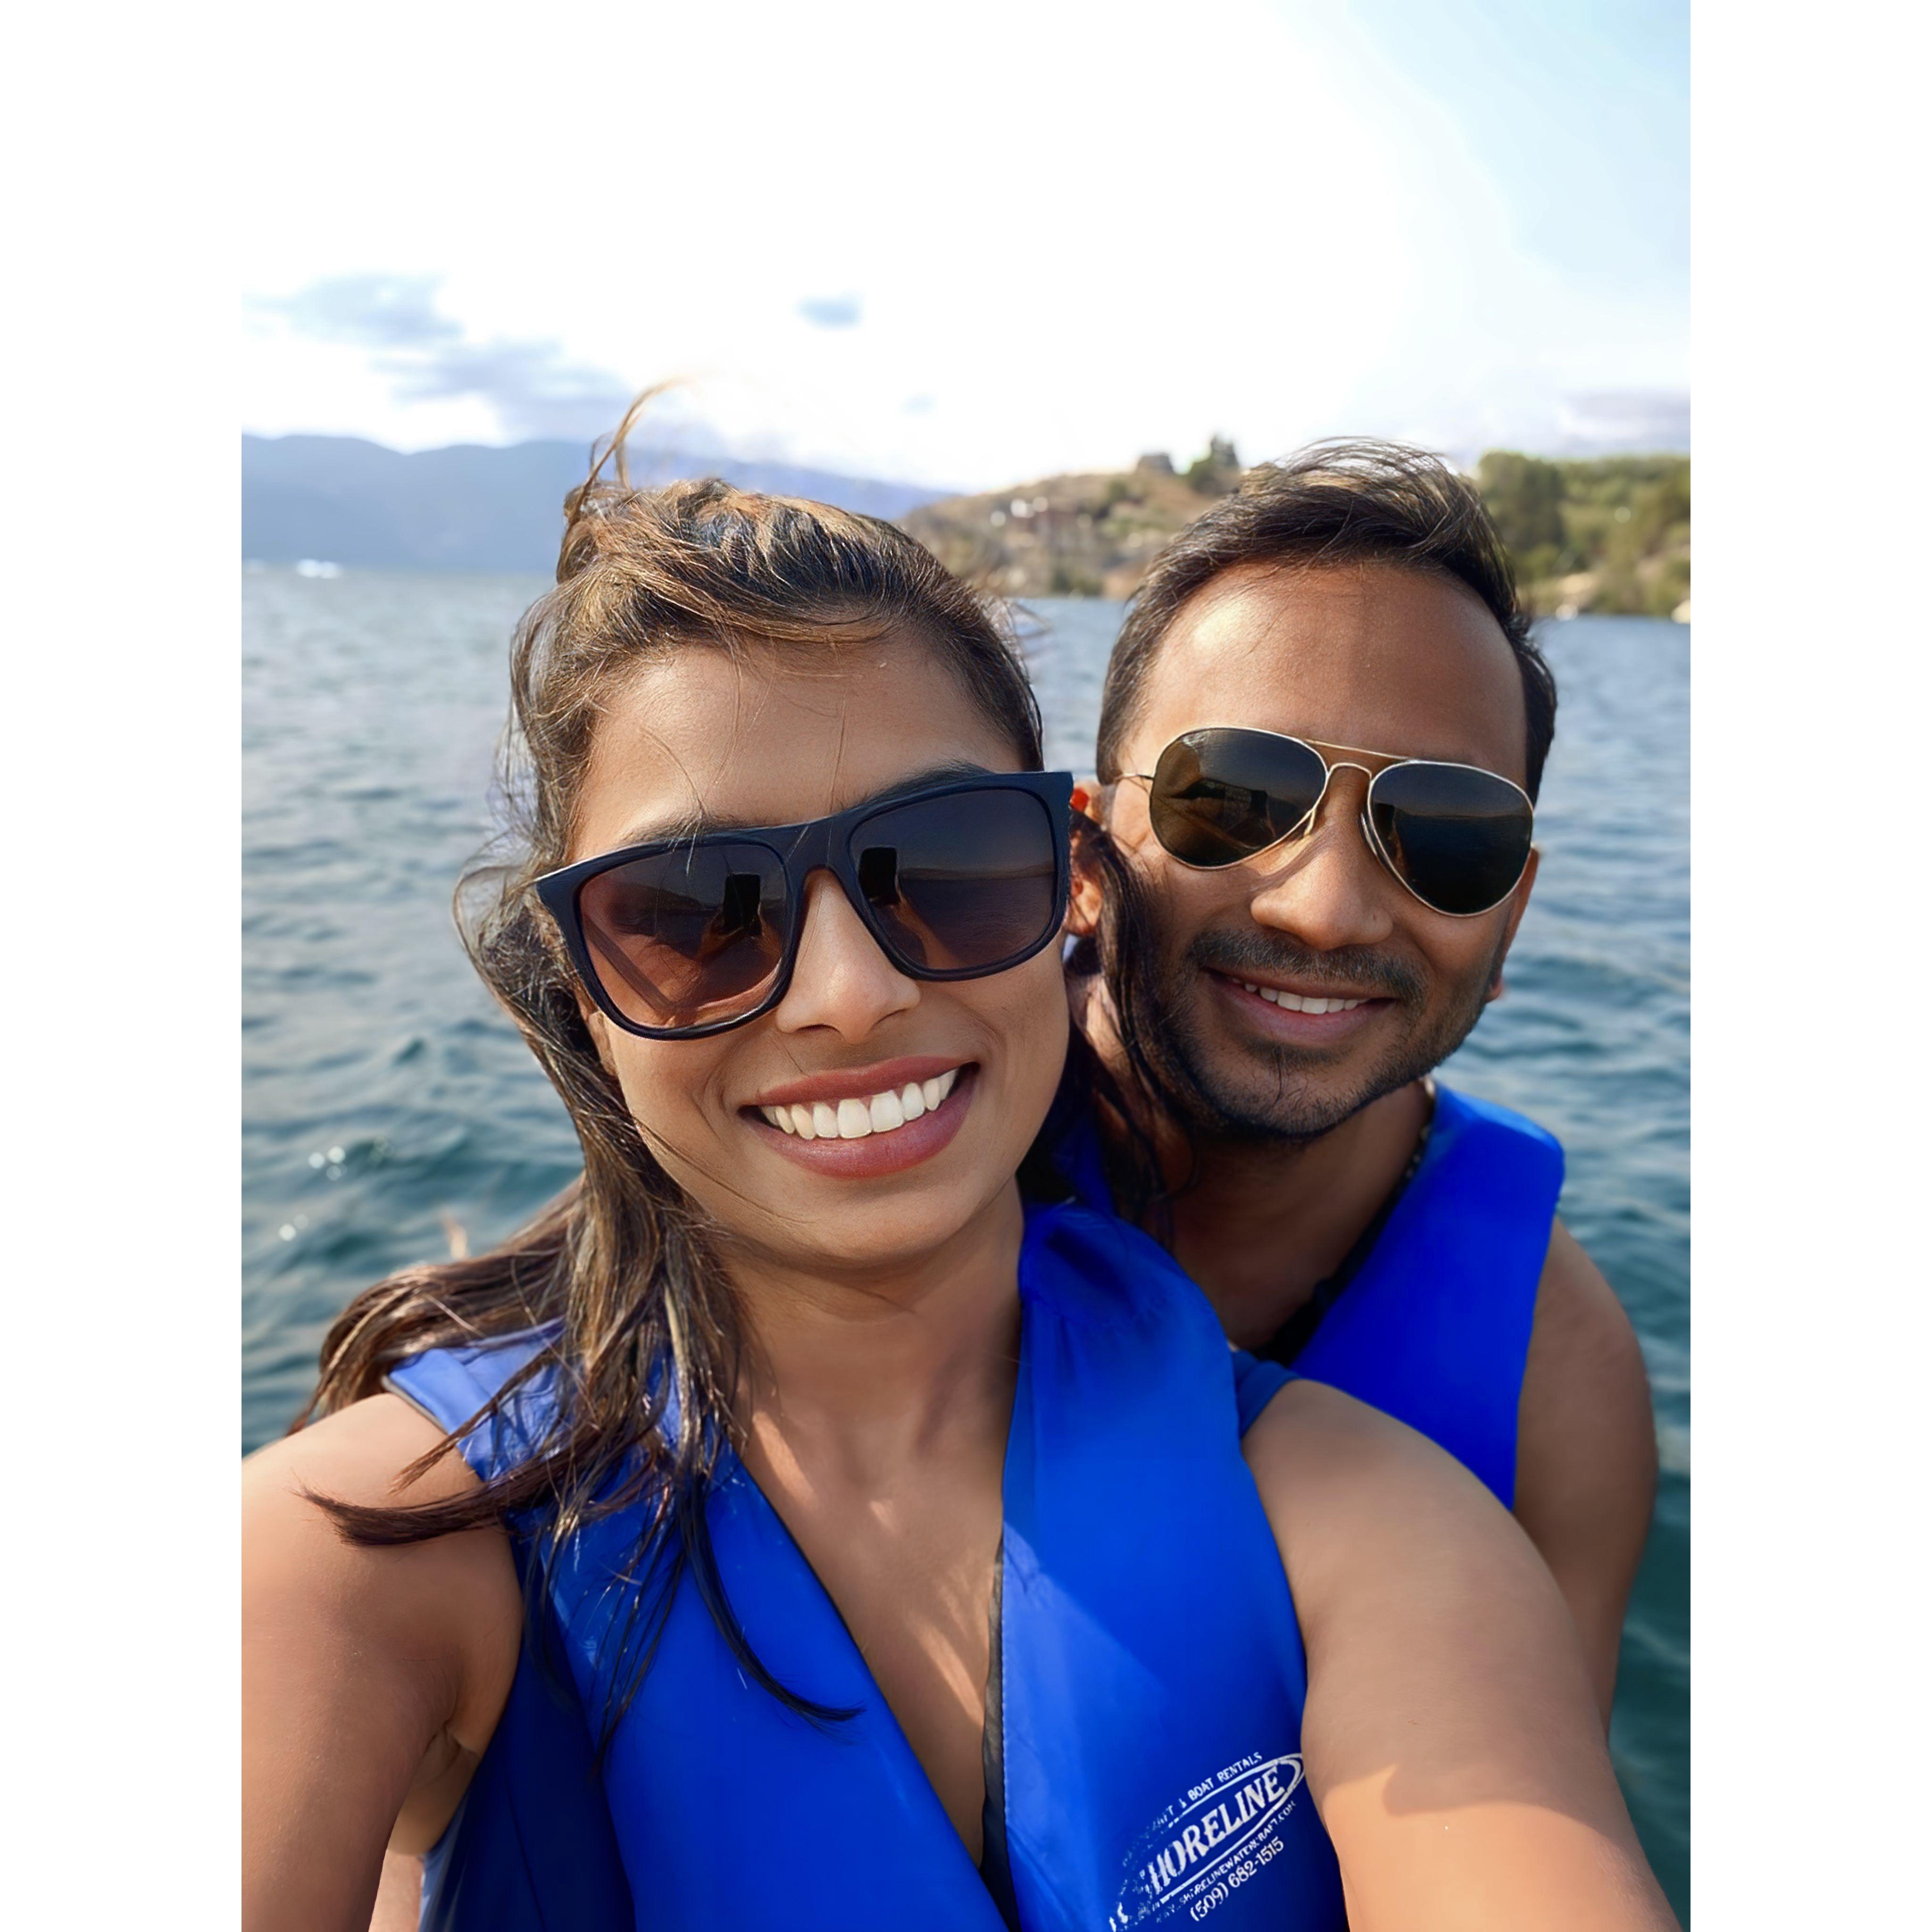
column 1082, row 798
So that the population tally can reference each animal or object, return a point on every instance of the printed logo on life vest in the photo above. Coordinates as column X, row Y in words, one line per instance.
column 1205, row 1846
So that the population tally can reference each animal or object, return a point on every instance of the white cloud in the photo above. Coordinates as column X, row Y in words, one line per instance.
column 531, row 388
column 832, row 311
column 1073, row 233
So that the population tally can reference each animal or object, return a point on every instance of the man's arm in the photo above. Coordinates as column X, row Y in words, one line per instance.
column 1586, row 1451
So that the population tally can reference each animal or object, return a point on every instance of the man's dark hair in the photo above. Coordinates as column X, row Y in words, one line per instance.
column 1338, row 501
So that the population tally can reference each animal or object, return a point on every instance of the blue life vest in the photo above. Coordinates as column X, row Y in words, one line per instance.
column 1434, row 1327
column 1149, row 1677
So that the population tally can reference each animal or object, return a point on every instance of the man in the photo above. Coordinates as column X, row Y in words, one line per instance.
column 1282, row 956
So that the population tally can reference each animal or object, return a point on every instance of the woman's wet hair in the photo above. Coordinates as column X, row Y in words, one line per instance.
column 1353, row 502
column 650, row 1342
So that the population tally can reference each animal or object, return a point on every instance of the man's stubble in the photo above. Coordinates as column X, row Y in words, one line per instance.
column 1278, row 1097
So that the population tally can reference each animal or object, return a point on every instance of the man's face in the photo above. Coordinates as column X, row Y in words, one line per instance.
column 1390, row 660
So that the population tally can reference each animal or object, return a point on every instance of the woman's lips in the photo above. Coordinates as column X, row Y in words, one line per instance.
column 853, row 1117
column 882, row 1149
column 860, row 1083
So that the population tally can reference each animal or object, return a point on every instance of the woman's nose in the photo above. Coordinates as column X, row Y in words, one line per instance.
column 840, row 979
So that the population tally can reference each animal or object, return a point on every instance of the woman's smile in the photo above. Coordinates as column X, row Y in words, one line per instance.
column 869, row 1121
column 849, row 1103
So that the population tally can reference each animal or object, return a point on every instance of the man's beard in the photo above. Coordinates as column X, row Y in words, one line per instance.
column 1280, row 1099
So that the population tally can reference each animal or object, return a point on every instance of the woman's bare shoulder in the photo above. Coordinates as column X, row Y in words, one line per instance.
column 1309, row 1415
column 1315, row 1451
column 359, row 1455
column 373, row 1674
column 1359, row 1501
column 456, row 1593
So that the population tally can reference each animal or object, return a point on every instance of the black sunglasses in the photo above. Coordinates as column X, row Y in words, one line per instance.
column 1457, row 836
column 691, row 936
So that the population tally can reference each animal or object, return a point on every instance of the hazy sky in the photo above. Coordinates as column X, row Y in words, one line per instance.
column 972, row 244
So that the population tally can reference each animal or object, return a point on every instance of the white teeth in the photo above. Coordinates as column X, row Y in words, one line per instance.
column 1296, row 1004
column 854, row 1120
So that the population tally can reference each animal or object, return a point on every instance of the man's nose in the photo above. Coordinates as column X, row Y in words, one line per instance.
column 1326, row 888
column 840, row 979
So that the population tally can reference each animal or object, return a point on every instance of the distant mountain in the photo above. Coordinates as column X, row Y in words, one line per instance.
column 470, row 507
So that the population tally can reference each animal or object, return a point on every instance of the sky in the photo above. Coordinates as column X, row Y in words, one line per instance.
column 968, row 245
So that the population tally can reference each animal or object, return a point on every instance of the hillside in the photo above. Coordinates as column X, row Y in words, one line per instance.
column 342, row 500
column 1087, row 535
column 1608, row 534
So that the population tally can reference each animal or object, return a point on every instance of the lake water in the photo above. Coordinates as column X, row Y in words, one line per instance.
column 385, row 1097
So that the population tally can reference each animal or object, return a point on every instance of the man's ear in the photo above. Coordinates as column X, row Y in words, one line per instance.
column 1519, row 905
column 1083, row 909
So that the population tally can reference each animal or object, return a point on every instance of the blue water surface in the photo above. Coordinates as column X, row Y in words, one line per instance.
column 388, row 1103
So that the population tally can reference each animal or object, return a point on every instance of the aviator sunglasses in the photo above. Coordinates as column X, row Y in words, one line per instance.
column 685, row 936
column 1457, row 837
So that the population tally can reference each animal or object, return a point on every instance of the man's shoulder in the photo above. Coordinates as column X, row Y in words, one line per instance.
column 1585, row 1416
column 1578, row 1314
column 1586, row 1447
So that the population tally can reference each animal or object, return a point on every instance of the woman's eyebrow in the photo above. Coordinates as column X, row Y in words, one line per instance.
column 701, row 824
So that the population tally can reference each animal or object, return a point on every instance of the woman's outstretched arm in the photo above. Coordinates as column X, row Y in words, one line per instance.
column 1452, row 1740
column 371, row 1678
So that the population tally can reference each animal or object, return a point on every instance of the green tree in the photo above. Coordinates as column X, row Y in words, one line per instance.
column 1524, row 496
column 1217, row 473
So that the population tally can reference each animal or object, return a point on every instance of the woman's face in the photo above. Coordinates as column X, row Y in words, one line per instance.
column 770, row 738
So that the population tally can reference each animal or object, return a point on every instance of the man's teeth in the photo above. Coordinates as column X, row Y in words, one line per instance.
column 1295, row 1003
column 854, row 1120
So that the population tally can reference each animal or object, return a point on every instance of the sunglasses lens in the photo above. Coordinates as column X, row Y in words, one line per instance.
column 1459, row 837
column 1220, row 796
column 966, row 883
column 689, row 936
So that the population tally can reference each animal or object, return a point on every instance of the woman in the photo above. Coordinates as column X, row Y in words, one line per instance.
column 839, row 1536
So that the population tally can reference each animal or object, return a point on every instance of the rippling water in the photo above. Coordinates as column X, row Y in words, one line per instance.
column 386, row 1099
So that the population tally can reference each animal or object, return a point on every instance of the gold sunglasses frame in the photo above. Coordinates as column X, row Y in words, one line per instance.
column 1387, row 762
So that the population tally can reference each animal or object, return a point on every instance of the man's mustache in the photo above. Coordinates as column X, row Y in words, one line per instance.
column 1253, row 955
